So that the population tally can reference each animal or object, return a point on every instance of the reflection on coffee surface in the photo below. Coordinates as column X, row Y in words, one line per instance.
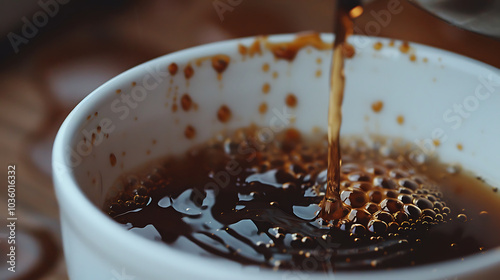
column 255, row 203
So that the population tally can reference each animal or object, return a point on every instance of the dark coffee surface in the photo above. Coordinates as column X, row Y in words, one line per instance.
column 258, row 204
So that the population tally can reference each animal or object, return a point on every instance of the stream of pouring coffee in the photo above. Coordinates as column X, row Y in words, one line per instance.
column 331, row 207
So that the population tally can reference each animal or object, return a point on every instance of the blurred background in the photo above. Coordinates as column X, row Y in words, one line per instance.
column 54, row 52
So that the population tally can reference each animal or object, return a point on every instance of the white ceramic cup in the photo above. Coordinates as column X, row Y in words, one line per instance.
column 441, row 96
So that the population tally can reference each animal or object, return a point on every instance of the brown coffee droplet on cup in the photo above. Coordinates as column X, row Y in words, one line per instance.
column 265, row 88
column 224, row 114
column 291, row 100
column 242, row 49
column 172, row 68
column 377, row 106
column 348, row 50
column 263, row 108
column 220, row 62
column 400, row 119
column 190, row 132
column 186, row 102
column 405, row 47
column 112, row 159
column 188, row 71
column 378, row 46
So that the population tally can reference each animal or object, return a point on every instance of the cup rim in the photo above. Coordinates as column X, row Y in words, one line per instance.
column 84, row 212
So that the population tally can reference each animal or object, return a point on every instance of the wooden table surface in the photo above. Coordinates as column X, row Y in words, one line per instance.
column 42, row 83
